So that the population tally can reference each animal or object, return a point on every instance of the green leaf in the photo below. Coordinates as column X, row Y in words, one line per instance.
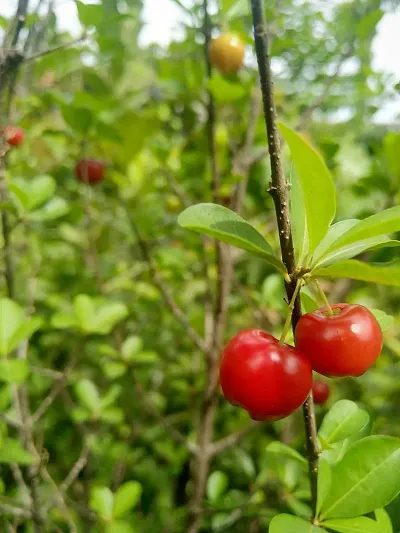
column 102, row 501
column 87, row 393
column 367, row 478
column 343, row 420
column 119, row 526
column 383, row 521
column 356, row 248
column 361, row 524
column 25, row 331
column 278, row 448
column 78, row 119
column 334, row 233
column 382, row 223
column 217, row 483
column 11, row 318
column 64, row 320
column 127, row 496
column 56, row 208
column 308, row 301
column 298, row 218
column 13, row 370
column 224, row 91
column 11, row 451
column 225, row 225
column 286, row 523
column 324, row 483
column 108, row 316
column 131, row 347
column 21, row 194
column 391, row 146
column 239, row 9
column 89, row 14
column 40, row 190
column 381, row 273
column 85, row 311
column 316, row 183
column 384, row 320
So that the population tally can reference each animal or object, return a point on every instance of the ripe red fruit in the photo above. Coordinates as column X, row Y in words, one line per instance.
column 226, row 53
column 345, row 344
column 90, row 170
column 321, row 391
column 268, row 379
column 14, row 135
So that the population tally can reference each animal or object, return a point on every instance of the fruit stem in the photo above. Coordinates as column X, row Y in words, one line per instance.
column 324, row 298
column 288, row 321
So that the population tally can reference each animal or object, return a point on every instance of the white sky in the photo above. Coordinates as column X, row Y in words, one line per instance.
column 165, row 16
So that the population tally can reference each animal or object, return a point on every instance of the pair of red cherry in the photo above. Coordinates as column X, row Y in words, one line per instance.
column 271, row 380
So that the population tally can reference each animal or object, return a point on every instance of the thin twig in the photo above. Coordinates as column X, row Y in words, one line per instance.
column 178, row 313
column 280, row 194
column 56, row 48
column 233, row 439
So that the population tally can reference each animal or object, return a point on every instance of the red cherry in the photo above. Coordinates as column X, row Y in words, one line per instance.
column 14, row 135
column 90, row 170
column 268, row 379
column 321, row 391
column 344, row 344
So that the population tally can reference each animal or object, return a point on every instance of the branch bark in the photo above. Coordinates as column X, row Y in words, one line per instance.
column 280, row 193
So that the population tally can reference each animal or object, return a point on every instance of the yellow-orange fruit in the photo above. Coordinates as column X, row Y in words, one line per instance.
column 226, row 53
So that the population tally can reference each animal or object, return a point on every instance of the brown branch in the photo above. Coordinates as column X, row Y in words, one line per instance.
column 178, row 313
column 280, row 193
column 233, row 439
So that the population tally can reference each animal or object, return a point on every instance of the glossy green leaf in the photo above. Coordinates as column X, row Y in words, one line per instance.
column 56, row 208
column 278, row 448
column 382, row 223
column 308, row 301
column 383, row 520
column 324, row 483
column 334, row 233
column 317, row 185
column 107, row 317
column 13, row 370
column 367, row 478
column 354, row 249
column 217, row 483
column 384, row 320
column 11, row 451
column 225, row 225
column 85, row 311
column 126, row 497
column 224, row 91
column 25, row 331
column 343, row 420
column 298, row 216
column 102, row 502
column 361, row 524
column 380, row 273
column 88, row 395
column 286, row 523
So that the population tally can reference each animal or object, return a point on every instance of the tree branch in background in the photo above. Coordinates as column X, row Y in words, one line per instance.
column 178, row 313
column 233, row 439
column 280, row 193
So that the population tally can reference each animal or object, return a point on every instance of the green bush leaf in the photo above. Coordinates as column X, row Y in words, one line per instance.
column 286, row 523
column 217, row 484
column 299, row 219
column 225, row 91
column 225, row 225
column 13, row 370
column 381, row 273
column 25, row 331
column 120, row 526
column 343, row 420
column 384, row 320
column 317, row 185
column 11, row 451
column 87, row 393
column 64, row 320
column 278, row 448
column 334, row 233
column 108, row 316
column 78, row 119
column 361, row 524
column 382, row 223
column 11, row 318
column 56, row 208
column 89, row 14
column 324, row 483
column 126, row 497
column 383, row 521
column 85, row 311
column 131, row 347
column 102, row 501
column 367, row 478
